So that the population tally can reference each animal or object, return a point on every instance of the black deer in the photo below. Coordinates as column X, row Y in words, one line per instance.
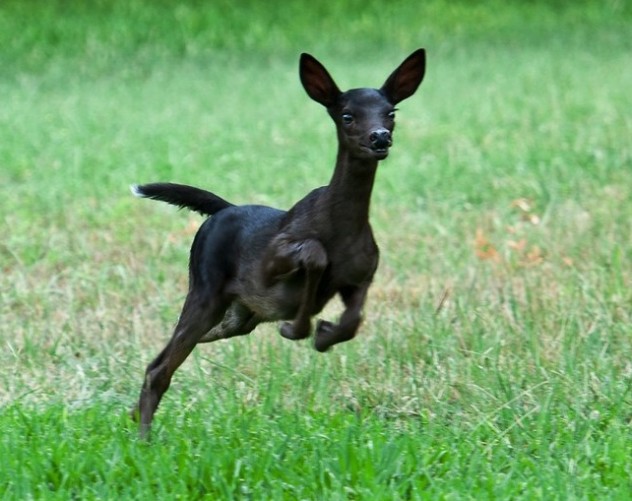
column 251, row 264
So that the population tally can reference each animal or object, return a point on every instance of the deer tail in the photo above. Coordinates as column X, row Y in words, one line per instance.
column 183, row 196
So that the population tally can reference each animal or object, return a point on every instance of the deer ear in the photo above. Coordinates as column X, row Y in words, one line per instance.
column 317, row 81
column 403, row 82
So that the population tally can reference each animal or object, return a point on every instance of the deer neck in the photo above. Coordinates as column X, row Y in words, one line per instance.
column 349, row 191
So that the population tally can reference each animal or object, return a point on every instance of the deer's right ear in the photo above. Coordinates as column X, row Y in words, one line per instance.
column 317, row 81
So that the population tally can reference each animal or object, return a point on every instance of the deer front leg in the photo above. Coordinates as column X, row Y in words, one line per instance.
column 287, row 258
column 328, row 333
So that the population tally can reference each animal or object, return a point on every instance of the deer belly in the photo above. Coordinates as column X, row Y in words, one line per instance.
column 280, row 301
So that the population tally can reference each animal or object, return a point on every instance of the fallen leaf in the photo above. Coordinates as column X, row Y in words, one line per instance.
column 483, row 248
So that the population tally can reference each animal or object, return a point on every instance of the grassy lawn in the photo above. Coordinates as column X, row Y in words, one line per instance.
column 495, row 360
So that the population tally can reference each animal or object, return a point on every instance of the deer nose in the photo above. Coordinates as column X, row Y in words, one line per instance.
column 380, row 139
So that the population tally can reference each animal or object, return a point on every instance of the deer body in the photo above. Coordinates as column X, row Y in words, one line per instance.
column 251, row 264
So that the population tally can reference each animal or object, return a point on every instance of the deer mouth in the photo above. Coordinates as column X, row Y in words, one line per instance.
column 379, row 152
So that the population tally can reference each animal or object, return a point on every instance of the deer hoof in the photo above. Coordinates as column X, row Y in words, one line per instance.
column 325, row 335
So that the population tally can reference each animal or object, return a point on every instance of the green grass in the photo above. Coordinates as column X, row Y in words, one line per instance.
column 308, row 455
column 494, row 361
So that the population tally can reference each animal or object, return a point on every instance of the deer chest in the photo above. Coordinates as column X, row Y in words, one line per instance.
column 354, row 264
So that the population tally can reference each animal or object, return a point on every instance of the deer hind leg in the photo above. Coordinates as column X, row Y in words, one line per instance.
column 238, row 321
column 328, row 333
column 288, row 258
column 199, row 314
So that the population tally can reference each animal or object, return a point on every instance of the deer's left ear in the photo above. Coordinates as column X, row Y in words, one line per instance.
column 403, row 82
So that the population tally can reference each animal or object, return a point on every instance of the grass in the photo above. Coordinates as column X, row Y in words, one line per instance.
column 313, row 455
column 494, row 361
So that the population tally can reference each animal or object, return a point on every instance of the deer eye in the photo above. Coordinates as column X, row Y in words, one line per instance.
column 391, row 114
column 347, row 118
